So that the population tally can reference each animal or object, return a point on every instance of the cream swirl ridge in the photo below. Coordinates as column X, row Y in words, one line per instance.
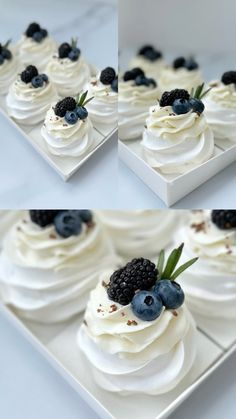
column 181, row 78
column 8, row 73
column 103, row 107
column 133, row 356
column 176, row 143
column 36, row 53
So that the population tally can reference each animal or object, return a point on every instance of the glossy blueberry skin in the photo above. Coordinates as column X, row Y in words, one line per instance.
column 152, row 55
column 44, row 77
column 44, row 32
column 197, row 105
column 141, row 81
column 114, row 85
column 6, row 53
column 146, row 305
column 74, row 54
column 1, row 59
column 191, row 64
column 71, row 117
column 85, row 215
column 37, row 81
column 170, row 292
column 181, row 106
column 67, row 224
column 82, row 112
column 38, row 36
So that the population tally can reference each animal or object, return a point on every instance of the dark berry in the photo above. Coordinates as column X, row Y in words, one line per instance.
column 43, row 217
column 170, row 293
column 114, row 85
column 144, row 49
column 191, row 64
column 28, row 74
column 179, row 62
column 38, row 36
column 197, row 105
column 152, row 82
column 81, row 112
column 128, row 75
column 136, row 71
column 71, row 117
column 146, row 305
column 64, row 50
column 32, row 28
column 224, row 219
column 85, row 215
column 6, row 53
column 168, row 98
column 1, row 59
column 229, row 77
column 44, row 32
column 37, row 81
column 181, row 106
column 74, row 54
column 153, row 55
column 141, row 81
column 139, row 274
column 64, row 105
column 107, row 75
column 67, row 223
column 44, row 77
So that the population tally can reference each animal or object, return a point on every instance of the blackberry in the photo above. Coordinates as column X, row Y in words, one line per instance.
column 107, row 75
column 139, row 274
column 224, row 219
column 64, row 50
column 229, row 77
column 179, row 62
column 144, row 49
column 168, row 98
column 32, row 28
column 43, row 217
column 64, row 105
column 28, row 74
column 132, row 74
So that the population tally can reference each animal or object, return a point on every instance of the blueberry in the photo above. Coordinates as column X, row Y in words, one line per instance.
column 191, row 64
column 181, row 106
column 152, row 55
column 44, row 32
column 170, row 293
column 85, row 215
column 44, row 77
column 197, row 105
column 74, row 54
column 38, row 36
column 114, row 85
column 37, row 81
column 1, row 59
column 67, row 223
column 146, row 305
column 82, row 112
column 71, row 117
column 152, row 82
column 6, row 54
column 141, row 81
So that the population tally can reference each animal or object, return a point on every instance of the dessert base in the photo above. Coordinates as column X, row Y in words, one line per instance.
column 58, row 344
column 172, row 187
column 64, row 166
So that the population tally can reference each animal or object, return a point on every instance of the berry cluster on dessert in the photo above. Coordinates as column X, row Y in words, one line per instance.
column 30, row 96
column 211, row 288
column 221, row 106
column 8, row 67
column 135, row 321
column 36, row 46
column 137, row 93
column 150, row 60
column 68, row 69
column 177, row 137
column 67, row 129
column 51, row 259
column 184, row 72
column 104, row 89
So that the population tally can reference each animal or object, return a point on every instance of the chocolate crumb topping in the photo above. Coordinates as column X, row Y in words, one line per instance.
column 113, row 308
column 52, row 236
column 131, row 323
column 198, row 227
column 175, row 313
column 104, row 284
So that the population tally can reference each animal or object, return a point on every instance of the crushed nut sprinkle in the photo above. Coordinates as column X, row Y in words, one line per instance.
column 131, row 323
column 199, row 227
column 52, row 236
column 175, row 313
column 123, row 314
column 113, row 308
column 104, row 284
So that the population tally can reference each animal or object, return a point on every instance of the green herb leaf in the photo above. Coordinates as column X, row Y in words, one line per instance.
column 82, row 98
column 172, row 261
column 88, row 100
column 160, row 262
column 182, row 268
column 199, row 91
column 205, row 93
column 74, row 42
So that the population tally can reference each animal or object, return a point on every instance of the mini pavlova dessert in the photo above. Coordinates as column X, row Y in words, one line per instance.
column 30, row 96
column 36, row 46
column 183, row 73
column 138, row 335
column 51, row 260
column 67, row 129
column 7, row 219
column 136, row 94
column 221, row 107
column 177, row 137
column 68, row 69
column 149, row 60
column 8, row 67
column 141, row 232
column 104, row 89
column 211, row 287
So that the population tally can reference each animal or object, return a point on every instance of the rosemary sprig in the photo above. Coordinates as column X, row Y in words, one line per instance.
column 81, row 99
column 168, row 271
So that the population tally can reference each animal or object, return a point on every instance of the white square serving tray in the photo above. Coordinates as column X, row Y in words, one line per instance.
column 57, row 343
column 64, row 166
column 171, row 188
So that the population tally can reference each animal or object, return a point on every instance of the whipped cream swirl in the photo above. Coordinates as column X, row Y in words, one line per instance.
column 134, row 104
column 210, row 286
column 69, row 77
column 103, row 107
column 65, row 139
column 47, row 278
column 129, row 355
column 181, row 77
column 141, row 232
column 36, row 53
column 150, row 68
column 27, row 104
column 7, row 219
column 220, row 110
column 176, row 143
column 8, row 73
